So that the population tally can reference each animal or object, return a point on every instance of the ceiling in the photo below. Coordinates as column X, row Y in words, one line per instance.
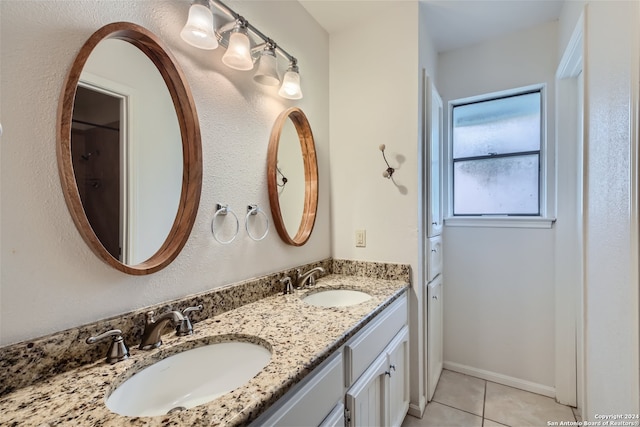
column 452, row 23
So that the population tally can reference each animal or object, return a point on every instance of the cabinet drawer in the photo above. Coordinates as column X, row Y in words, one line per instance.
column 435, row 258
column 362, row 350
column 312, row 401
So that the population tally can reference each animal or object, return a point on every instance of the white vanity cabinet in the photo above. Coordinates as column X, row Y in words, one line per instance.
column 364, row 383
column 380, row 397
column 377, row 370
column 312, row 401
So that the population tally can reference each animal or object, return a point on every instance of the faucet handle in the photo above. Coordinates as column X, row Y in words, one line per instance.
column 185, row 327
column 190, row 309
column 118, row 350
column 149, row 317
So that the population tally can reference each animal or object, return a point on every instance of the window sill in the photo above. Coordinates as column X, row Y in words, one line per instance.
column 500, row 222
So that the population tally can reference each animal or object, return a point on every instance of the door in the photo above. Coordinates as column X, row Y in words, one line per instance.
column 96, row 150
column 434, row 337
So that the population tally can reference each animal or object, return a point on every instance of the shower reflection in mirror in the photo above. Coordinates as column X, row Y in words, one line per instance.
column 126, row 151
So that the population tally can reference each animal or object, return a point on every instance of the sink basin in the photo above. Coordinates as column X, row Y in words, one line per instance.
column 188, row 379
column 336, row 298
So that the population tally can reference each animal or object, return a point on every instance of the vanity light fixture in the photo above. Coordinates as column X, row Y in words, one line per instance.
column 238, row 54
column 198, row 31
column 236, row 37
column 290, row 88
column 389, row 172
column 267, row 73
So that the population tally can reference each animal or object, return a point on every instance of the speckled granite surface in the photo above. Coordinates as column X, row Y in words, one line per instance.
column 300, row 337
column 38, row 359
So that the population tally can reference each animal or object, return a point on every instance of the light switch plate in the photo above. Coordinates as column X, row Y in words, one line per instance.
column 361, row 238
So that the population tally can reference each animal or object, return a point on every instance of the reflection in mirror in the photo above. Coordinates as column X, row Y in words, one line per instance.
column 292, row 177
column 129, row 149
column 130, row 185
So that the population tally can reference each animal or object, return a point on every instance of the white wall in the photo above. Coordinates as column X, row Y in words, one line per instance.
column 499, row 282
column 611, row 220
column 50, row 278
column 375, row 99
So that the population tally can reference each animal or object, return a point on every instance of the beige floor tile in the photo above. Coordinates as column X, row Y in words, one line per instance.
column 460, row 391
column 437, row 415
column 515, row 407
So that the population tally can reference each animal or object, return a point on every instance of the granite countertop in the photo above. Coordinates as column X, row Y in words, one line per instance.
column 301, row 336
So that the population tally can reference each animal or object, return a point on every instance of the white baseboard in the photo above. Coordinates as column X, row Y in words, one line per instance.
column 417, row 410
column 502, row 379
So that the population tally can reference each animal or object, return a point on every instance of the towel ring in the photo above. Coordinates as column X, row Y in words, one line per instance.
column 223, row 210
column 255, row 210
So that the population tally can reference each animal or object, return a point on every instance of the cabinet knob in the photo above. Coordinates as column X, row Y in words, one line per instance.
column 435, row 297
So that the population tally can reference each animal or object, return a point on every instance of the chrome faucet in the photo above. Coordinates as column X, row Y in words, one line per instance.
column 151, row 337
column 308, row 278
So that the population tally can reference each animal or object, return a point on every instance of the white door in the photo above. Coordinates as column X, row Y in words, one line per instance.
column 435, row 332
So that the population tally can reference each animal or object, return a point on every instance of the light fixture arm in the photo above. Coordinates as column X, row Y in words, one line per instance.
column 237, row 17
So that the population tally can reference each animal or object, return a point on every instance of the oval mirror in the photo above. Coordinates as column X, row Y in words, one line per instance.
column 129, row 149
column 292, row 179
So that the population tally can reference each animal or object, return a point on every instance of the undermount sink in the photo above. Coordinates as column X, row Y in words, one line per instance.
column 336, row 298
column 188, row 379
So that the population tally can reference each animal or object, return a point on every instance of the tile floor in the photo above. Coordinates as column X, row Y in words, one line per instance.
column 464, row 401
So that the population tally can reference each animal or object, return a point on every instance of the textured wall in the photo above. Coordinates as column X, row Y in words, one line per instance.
column 611, row 217
column 50, row 279
column 375, row 99
column 499, row 283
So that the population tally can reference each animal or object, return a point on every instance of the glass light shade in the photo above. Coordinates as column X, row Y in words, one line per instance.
column 267, row 73
column 198, row 31
column 290, row 88
column 238, row 55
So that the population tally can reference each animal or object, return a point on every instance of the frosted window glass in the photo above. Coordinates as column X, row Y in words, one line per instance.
column 496, row 146
column 499, row 126
column 498, row 186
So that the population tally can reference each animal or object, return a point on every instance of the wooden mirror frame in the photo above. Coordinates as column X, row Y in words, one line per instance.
column 187, row 117
column 308, row 149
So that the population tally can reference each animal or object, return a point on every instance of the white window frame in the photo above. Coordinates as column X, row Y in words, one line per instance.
column 545, row 219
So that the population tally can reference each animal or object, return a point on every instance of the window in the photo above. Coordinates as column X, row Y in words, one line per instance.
column 496, row 146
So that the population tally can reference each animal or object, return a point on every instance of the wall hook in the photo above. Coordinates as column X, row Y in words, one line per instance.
column 389, row 172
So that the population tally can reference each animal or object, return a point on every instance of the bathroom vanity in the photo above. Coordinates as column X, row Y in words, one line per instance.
column 365, row 382
column 323, row 360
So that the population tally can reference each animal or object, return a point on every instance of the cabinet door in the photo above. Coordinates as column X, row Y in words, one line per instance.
column 398, row 356
column 435, row 332
column 433, row 164
column 366, row 400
